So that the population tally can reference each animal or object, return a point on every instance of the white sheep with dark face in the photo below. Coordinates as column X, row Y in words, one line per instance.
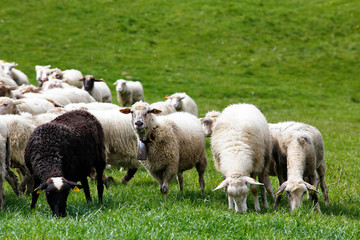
column 97, row 88
column 298, row 151
column 240, row 144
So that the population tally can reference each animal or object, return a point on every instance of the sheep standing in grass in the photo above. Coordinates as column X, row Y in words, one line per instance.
column 62, row 152
column 173, row 143
column 298, row 151
column 129, row 92
column 18, row 76
column 97, row 88
column 183, row 103
column 240, row 144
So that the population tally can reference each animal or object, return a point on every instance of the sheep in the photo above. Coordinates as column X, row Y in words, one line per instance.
column 30, row 105
column 208, row 122
column 62, row 152
column 18, row 76
column 97, row 88
column 173, row 143
column 240, row 144
column 20, row 130
column 298, row 151
column 7, row 80
column 129, row 92
column 41, row 74
column 165, row 107
column 183, row 103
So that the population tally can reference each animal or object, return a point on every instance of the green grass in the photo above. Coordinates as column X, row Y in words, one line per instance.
column 296, row 60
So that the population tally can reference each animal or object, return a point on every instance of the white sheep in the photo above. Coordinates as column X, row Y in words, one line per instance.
column 165, row 107
column 30, row 105
column 41, row 73
column 72, row 76
column 183, row 103
column 129, row 92
column 7, row 80
column 170, row 144
column 20, row 130
column 97, row 88
column 18, row 76
column 298, row 151
column 240, row 145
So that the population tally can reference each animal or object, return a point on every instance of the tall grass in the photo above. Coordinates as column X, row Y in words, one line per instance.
column 295, row 60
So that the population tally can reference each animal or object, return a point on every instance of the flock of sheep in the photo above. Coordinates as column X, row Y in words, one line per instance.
column 66, row 129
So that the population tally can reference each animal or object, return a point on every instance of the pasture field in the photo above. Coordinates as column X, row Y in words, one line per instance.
column 295, row 59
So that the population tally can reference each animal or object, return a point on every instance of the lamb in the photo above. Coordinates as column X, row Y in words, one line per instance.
column 30, row 105
column 165, row 107
column 18, row 76
column 173, row 143
column 129, row 92
column 240, row 144
column 62, row 152
column 20, row 130
column 41, row 74
column 183, row 103
column 298, row 151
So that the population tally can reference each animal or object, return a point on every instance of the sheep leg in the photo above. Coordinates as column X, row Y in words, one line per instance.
column 321, row 171
column 85, row 185
column 100, row 185
column 314, row 197
column 263, row 192
column 168, row 176
column 180, row 180
column 231, row 202
column 129, row 175
column 282, row 176
column 12, row 180
column 34, row 194
column 269, row 187
column 200, row 167
column 254, row 192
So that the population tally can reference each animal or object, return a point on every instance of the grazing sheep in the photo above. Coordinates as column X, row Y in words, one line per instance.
column 30, row 105
column 165, row 107
column 18, row 76
column 62, row 152
column 240, row 144
column 298, row 151
column 183, row 103
column 41, row 74
column 173, row 143
column 97, row 88
column 20, row 130
column 129, row 92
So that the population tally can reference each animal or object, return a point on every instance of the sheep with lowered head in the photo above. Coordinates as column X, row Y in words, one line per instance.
column 298, row 151
column 183, row 103
column 62, row 152
column 97, row 88
column 240, row 144
column 18, row 76
column 168, row 144
column 129, row 92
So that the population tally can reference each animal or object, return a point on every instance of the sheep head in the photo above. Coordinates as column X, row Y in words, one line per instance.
column 7, row 67
column 237, row 190
column 176, row 101
column 40, row 71
column 142, row 117
column 8, row 105
column 208, row 122
column 57, row 190
column 120, row 85
column 89, row 81
column 295, row 191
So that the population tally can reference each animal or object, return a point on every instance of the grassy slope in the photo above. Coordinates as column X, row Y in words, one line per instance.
column 295, row 60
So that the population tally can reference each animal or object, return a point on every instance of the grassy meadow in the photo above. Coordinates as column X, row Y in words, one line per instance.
column 294, row 59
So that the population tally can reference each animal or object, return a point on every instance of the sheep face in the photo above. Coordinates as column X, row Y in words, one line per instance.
column 120, row 85
column 7, row 67
column 89, row 81
column 295, row 191
column 176, row 101
column 57, row 190
column 8, row 106
column 237, row 191
column 207, row 124
column 40, row 71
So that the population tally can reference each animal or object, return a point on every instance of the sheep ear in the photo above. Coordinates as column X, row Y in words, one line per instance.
column 181, row 98
column 281, row 189
column 222, row 184
column 125, row 110
column 99, row 80
column 74, row 186
column 205, row 120
column 154, row 111
column 250, row 180
column 310, row 188
column 82, row 79
column 17, row 102
column 40, row 188
column 115, row 83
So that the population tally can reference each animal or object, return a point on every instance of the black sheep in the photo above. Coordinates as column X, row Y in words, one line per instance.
column 62, row 152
